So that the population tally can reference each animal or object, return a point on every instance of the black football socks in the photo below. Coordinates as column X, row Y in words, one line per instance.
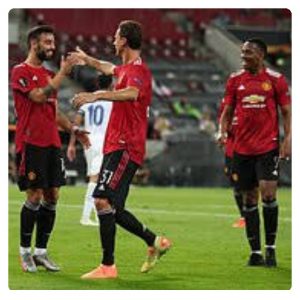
column 45, row 223
column 238, row 196
column 129, row 222
column 107, row 235
column 28, row 218
column 270, row 214
column 253, row 226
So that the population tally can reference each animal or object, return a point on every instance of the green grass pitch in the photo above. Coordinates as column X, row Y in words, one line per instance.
column 208, row 254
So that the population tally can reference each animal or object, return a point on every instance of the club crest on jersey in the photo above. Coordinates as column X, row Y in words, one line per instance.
column 266, row 86
column 31, row 176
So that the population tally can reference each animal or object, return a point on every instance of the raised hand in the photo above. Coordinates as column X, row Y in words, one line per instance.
column 66, row 64
column 79, row 56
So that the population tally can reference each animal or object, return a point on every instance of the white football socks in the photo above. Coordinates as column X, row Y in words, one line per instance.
column 89, row 205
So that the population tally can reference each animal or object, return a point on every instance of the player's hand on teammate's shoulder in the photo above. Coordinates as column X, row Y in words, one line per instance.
column 82, row 98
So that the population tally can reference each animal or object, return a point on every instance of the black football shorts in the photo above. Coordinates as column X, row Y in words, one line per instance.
column 115, row 176
column 248, row 170
column 40, row 167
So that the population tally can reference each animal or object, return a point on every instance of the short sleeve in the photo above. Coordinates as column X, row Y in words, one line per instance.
column 283, row 96
column 135, row 77
column 21, row 81
column 229, row 97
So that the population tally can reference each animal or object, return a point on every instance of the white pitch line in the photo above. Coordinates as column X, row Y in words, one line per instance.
column 164, row 212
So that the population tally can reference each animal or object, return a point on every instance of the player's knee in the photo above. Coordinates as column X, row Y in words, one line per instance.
column 51, row 196
column 268, row 196
column 102, row 204
column 251, row 197
column 34, row 196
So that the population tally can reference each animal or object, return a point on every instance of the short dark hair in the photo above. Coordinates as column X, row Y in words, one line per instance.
column 132, row 31
column 260, row 44
column 35, row 32
column 103, row 81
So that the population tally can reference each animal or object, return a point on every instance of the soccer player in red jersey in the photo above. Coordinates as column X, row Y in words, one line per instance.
column 39, row 160
column 124, row 147
column 255, row 93
column 228, row 152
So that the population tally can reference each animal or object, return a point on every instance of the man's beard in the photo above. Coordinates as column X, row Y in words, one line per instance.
column 42, row 55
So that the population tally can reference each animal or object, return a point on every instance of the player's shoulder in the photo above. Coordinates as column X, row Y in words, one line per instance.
column 19, row 70
column 273, row 73
column 19, row 67
column 237, row 74
column 140, row 64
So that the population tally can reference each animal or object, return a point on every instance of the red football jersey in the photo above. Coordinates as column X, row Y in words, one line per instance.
column 127, row 127
column 255, row 99
column 230, row 138
column 36, row 122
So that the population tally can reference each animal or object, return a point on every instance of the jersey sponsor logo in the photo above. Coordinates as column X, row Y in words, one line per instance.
column 266, row 86
column 254, row 99
column 31, row 176
column 23, row 82
column 34, row 78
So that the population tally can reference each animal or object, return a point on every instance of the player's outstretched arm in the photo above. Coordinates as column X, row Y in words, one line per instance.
column 127, row 94
column 103, row 66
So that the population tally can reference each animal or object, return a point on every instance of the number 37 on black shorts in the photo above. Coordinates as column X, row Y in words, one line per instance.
column 115, row 176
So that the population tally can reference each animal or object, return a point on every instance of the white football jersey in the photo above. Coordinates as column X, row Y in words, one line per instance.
column 96, row 116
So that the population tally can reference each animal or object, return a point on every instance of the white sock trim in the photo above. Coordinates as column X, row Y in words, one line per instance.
column 24, row 250
column 257, row 252
column 40, row 251
column 270, row 246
